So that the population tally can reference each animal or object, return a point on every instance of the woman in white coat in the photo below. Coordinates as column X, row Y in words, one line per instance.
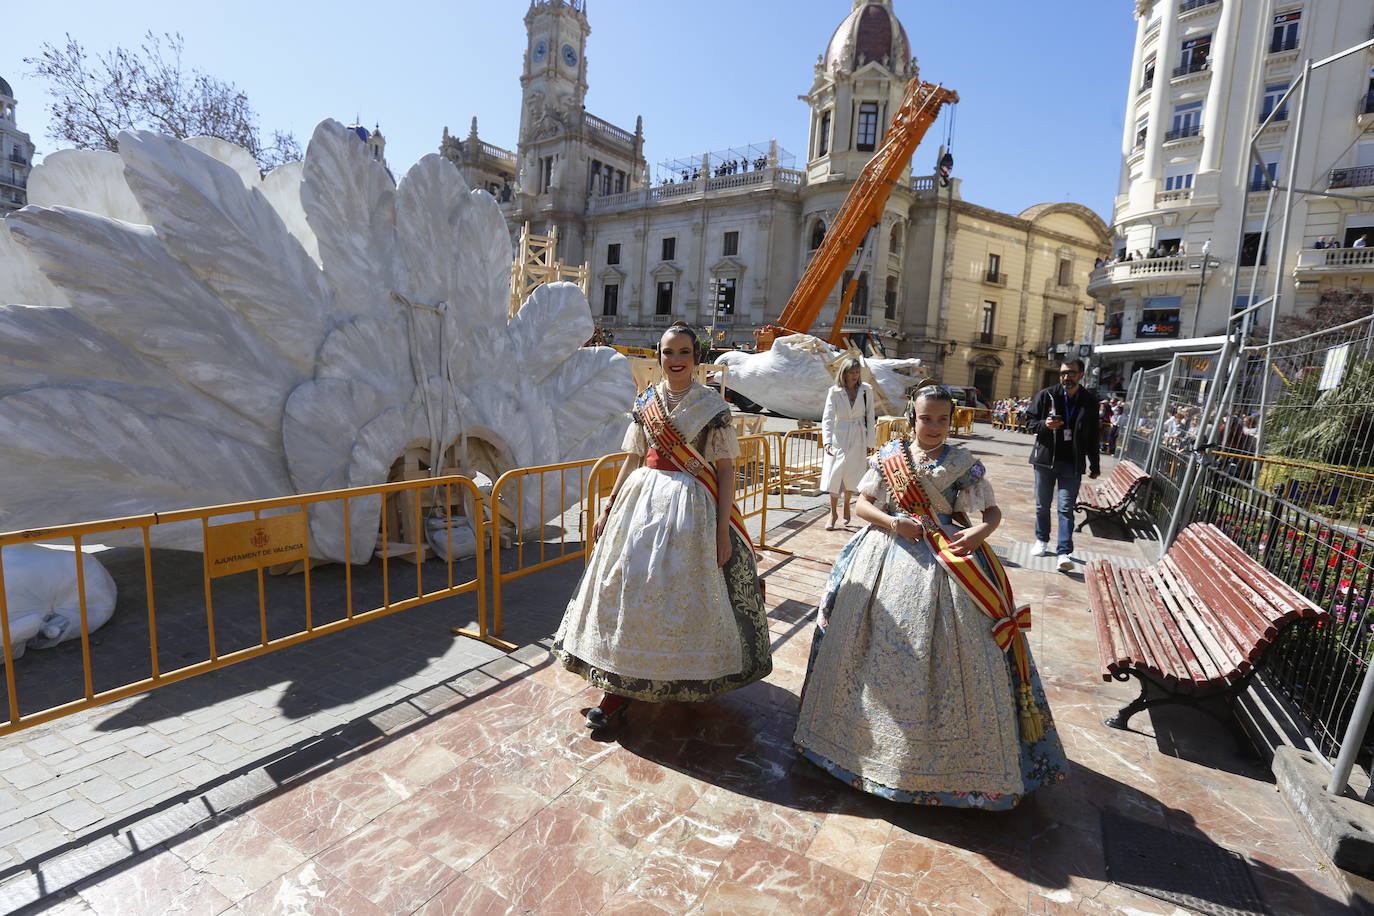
column 849, row 428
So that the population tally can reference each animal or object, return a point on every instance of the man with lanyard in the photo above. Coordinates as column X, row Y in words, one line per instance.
column 1064, row 421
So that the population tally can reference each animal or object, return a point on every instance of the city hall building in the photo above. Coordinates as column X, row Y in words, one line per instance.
column 720, row 239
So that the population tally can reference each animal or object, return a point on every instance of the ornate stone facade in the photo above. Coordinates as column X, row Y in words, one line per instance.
column 722, row 241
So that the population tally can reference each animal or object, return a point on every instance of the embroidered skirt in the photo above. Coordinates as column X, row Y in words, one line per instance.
column 907, row 696
column 654, row 617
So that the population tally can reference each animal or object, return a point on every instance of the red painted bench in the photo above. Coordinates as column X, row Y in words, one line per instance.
column 1193, row 626
column 1113, row 495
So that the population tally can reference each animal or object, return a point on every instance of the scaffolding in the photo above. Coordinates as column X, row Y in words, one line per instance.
column 537, row 263
column 751, row 157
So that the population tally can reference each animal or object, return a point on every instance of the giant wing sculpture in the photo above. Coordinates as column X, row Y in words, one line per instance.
column 177, row 330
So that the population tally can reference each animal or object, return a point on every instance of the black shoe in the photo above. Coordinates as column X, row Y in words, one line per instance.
column 600, row 717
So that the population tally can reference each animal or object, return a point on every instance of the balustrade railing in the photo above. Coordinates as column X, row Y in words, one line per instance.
column 609, row 129
column 757, row 179
column 1341, row 258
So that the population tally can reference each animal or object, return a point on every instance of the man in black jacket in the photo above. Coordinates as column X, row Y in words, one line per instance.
column 1065, row 424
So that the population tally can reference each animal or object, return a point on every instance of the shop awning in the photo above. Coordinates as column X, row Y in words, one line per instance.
column 1156, row 349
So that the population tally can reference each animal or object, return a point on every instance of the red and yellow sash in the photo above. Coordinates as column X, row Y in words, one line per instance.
column 666, row 438
column 986, row 582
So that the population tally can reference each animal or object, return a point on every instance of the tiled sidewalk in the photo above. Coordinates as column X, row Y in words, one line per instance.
column 493, row 797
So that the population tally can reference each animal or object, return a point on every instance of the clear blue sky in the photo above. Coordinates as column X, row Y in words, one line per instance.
column 1043, row 85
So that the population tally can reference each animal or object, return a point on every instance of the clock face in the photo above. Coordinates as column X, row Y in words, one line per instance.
column 541, row 48
column 569, row 56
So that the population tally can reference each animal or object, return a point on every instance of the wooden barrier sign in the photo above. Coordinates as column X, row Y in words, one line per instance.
column 240, row 546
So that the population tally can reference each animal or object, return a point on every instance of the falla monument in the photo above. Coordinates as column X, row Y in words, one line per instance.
column 178, row 330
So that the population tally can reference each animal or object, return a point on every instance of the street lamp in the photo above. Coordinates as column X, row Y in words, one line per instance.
column 1202, row 282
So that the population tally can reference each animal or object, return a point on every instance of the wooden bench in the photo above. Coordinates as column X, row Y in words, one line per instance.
column 1113, row 495
column 1194, row 626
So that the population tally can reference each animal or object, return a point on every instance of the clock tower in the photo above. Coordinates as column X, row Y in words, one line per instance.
column 565, row 155
column 554, row 80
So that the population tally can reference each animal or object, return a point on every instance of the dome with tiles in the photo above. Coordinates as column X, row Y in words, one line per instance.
column 871, row 32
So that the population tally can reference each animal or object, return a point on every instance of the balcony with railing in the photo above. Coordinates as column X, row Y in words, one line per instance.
column 1280, row 45
column 1258, row 184
column 1143, row 268
column 1182, row 133
column 1366, row 104
column 17, row 159
column 1193, row 66
column 1187, row 6
column 1145, row 85
column 1317, row 261
column 608, row 130
column 13, row 181
column 1173, row 198
column 1359, row 177
column 994, row 278
column 774, row 178
column 988, row 339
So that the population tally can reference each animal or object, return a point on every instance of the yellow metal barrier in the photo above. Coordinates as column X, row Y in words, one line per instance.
column 799, row 461
column 753, row 476
column 237, row 539
column 890, row 428
column 531, row 554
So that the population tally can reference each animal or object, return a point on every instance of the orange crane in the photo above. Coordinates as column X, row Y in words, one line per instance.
column 861, row 210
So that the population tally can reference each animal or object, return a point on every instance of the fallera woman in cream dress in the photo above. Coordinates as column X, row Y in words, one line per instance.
column 669, row 607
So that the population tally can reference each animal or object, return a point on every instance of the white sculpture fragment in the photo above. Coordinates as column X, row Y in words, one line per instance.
column 177, row 331
column 792, row 377
column 42, row 600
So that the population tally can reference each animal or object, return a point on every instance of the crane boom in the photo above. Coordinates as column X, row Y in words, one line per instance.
column 862, row 208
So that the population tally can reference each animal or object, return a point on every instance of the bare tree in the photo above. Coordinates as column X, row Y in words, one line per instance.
column 148, row 88
column 1334, row 307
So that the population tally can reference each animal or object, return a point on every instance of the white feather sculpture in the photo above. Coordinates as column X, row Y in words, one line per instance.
column 793, row 376
column 177, row 331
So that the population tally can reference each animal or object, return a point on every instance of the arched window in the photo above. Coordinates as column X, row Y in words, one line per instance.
column 894, row 244
column 817, row 234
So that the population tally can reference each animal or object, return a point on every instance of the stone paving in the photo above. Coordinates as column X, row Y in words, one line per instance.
column 394, row 768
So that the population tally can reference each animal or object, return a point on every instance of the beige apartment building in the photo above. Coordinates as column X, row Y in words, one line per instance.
column 1206, row 76
column 16, row 155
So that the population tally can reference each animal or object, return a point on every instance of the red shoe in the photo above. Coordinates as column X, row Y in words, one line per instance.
column 610, row 711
